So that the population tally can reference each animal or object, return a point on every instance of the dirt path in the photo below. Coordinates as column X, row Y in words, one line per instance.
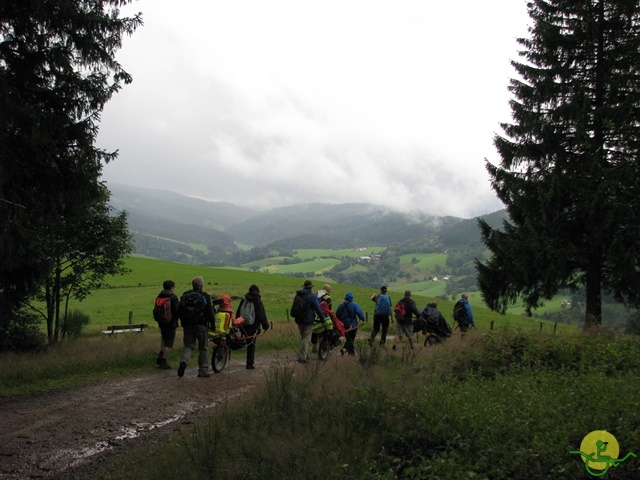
column 57, row 435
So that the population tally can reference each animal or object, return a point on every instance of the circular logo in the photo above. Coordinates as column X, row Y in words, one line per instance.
column 599, row 444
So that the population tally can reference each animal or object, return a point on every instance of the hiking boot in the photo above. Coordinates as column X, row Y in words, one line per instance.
column 204, row 374
column 159, row 359
column 314, row 349
column 393, row 348
column 182, row 368
column 250, row 367
column 164, row 365
column 370, row 341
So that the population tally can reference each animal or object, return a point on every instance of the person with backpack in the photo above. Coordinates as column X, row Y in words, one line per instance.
column 404, row 310
column 323, row 296
column 381, row 315
column 434, row 321
column 304, row 309
column 165, row 312
column 196, row 315
column 251, row 309
column 349, row 312
column 462, row 313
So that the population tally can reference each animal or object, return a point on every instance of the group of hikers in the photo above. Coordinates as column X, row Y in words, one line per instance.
column 203, row 317
column 316, row 315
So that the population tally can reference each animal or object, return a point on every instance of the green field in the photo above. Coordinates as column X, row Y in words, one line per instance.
column 316, row 266
column 426, row 261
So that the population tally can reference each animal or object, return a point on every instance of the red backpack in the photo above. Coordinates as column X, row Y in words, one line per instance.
column 399, row 312
column 162, row 310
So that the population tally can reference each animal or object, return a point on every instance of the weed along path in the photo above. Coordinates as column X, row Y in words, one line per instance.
column 65, row 433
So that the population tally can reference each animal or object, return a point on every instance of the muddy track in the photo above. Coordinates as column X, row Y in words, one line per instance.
column 62, row 434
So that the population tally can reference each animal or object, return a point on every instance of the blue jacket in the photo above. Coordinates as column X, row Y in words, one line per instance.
column 350, row 312
column 467, row 308
column 314, row 307
column 383, row 305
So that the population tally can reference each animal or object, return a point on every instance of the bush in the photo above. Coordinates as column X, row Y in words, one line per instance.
column 22, row 333
column 76, row 321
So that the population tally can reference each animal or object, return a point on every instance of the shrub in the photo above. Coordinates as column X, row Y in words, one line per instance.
column 22, row 333
column 75, row 322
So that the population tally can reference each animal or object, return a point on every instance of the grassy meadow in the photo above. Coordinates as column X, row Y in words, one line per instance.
column 512, row 401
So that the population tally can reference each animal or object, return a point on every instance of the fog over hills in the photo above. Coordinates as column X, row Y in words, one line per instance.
column 167, row 216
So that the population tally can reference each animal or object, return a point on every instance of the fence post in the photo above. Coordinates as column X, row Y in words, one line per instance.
column 491, row 327
column 555, row 326
column 540, row 326
column 130, row 317
column 286, row 312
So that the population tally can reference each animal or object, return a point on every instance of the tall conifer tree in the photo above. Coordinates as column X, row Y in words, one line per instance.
column 57, row 72
column 570, row 172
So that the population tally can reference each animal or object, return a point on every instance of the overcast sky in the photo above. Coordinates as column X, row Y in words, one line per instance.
column 266, row 103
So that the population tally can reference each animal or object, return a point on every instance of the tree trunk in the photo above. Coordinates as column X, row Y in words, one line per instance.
column 56, row 303
column 593, row 314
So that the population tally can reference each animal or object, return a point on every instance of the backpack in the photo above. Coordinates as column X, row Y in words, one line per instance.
column 192, row 307
column 248, row 312
column 299, row 307
column 460, row 313
column 399, row 312
column 162, row 310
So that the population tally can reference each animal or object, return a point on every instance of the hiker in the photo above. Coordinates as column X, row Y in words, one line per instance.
column 254, row 317
column 381, row 315
column 434, row 322
column 463, row 315
column 196, row 314
column 404, row 323
column 167, row 319
column 349, row 312
column 310, row 307
column 323, row 296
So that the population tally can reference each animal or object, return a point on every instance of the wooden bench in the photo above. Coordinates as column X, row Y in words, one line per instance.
column 135, row 327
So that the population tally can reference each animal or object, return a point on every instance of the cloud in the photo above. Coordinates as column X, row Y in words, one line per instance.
column 267, row 104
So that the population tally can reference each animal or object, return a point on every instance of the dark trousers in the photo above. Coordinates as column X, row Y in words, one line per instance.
column 251, row 344
column 378, row 322
column 350, row 339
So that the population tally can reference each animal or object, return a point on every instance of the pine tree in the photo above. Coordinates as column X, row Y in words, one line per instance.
column 569, row 172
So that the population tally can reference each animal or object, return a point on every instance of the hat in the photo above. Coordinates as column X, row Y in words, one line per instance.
column 407, row 293
column 383, row 288
column 197, row 281
column 307, row 284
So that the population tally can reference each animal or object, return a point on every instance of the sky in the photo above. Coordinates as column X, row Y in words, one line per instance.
column 272, row 103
